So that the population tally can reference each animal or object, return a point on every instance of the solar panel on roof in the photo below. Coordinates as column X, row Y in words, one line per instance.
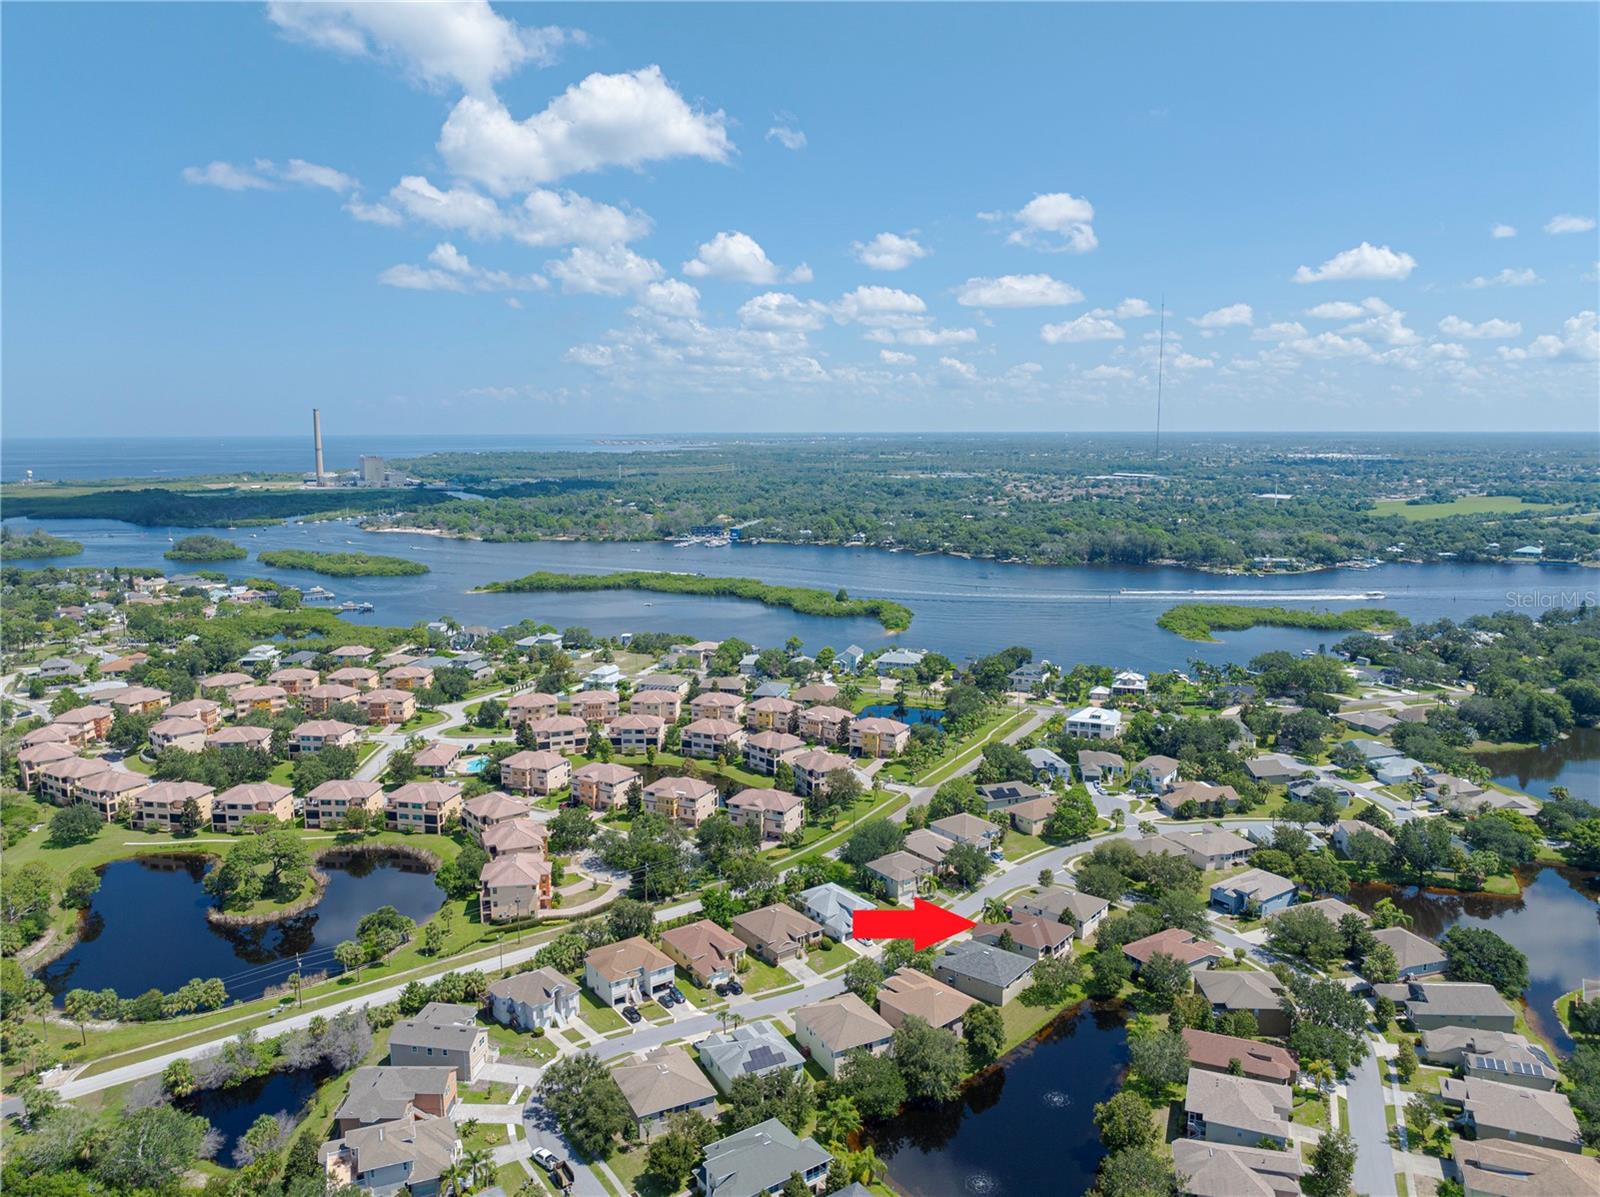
column 761, row 1057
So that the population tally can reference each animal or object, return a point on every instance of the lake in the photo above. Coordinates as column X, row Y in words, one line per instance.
column 1555, row 923
column 1019, row 1130
column 911, row 715
column 962, row 607
column 147, row 927
column 233, row 1110
column 1572, row 761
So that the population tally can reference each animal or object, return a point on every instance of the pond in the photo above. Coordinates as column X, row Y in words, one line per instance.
column 147, row 927
column 233, row 1110
column 1555, row 923
column 1022, row 1129
column 911, row 715
column 1573, row 761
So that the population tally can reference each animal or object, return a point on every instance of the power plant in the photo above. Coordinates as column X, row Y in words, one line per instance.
column 316, row 438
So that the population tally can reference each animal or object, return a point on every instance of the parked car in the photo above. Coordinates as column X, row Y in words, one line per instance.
column 665, row 998
column 631, row 1013
column 677, row 994
column 546, row 1159
column 735, row 988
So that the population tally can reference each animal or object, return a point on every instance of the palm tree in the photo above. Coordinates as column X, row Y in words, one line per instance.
column 839, row 1120
column 479, row 1166
column 469, row 1127
column 450, row 1180
column 863, row 1165
column 994, row 911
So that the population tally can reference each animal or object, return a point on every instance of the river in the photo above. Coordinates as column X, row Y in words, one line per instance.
column 1555, row 923
column 1022, row 1129
column 962, row 607
column 128, row 939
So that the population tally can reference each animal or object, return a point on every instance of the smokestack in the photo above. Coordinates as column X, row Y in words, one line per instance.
column 316, row 437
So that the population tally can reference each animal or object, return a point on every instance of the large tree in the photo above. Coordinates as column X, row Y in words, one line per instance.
column 931, row 1061
column 1478, row 954
column 586, row 1102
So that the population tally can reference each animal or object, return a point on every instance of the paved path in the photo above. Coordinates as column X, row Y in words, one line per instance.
column 1374, row 1158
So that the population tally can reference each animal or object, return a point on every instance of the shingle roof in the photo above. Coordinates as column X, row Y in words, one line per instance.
column 384, row 1093
column 1240, row 1102
column 664, row 1080
column 981, row 962
column 843, row 1023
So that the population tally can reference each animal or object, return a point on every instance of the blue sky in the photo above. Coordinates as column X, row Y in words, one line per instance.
column 626, row 219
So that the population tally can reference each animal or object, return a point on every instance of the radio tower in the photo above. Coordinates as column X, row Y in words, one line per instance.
column 1161, row 357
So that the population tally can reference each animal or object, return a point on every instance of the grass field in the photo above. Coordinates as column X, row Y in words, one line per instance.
column 1469, row 505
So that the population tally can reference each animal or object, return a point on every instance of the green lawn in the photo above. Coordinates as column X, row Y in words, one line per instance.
column 1311, row 1111
column 825, row 959
column 485, row 1134
column 629, row 1166
column 763, row 976
column 996, row 727
column 1024, row 1022
column 598, row 1015
column 1017, row 845
column 493, row 1093
column 1469, row 505
column 423, row 719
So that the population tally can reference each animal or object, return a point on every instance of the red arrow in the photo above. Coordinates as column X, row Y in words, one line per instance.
column 924, row 924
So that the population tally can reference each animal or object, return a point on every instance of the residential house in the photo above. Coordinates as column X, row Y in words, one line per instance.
column 1525, row 1062
column 604, row 676
column 1205, row 848
column 834, row 907
column 1345, row 830
column 251, row 700
column 1003, row 794
column 1252, row 990
column 751, row 1049
column 1047, row 765
column 1099, row 766
column 705, row 951
column 1129, row 682
column 1202, row 794
column 187, row 735
column 423, row 806
column 877, row 737
column 603, row 786
column 383, row 1093
column 316, row 734
column 1083, row 912
column 1375, row 722
column 1026, row 677
column 930, row 846
column 849, row 661
column 514, row 886
column 540, row 772
column 1415, row 956
column 1254, row 890
column 1221, row 1170
column 1237, row 1110
column 830, row 1030
column 664, row 1082
column 112, row 792
column 1372, row 751
column 662, row 705
column 908, row 992
column 772, row 714
column 987, row 973
column 247, row 739
column 626, row 972
column 964, row 828
column 61, row 670
column 1502, row 1168
column 294, row 681
column 528, row 706
column 662, row 683
column 1493, row 1110
column 778, row 932
column 826, row 725
column 351, row 652
column 1157, row 772
column 897, row 658
column 387, row 706
column 685, row 801
column 207, row 712
column 812, row 769
column 595, row 706
column 1397, row 770
column 1331, row 909
column 1274, row 768
column 1029, row 934
column 710, row 738
column 441, row 1033
column 438, row 758
column 540, row 997
column 560, row 733
column 234, row 805
column 759, row 1161
column 899, row 874
column 774, row 813
column 635, row 734
column 1197, row 953
column 1094, row 723
column 330, row 803
column 715, row 704
column 765, row 750
column 1433, row 1004
column 1254, row 1059
column 410, row 1155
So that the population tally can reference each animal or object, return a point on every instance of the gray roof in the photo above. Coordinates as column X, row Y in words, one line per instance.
column 382, row 1094
column 1240, row 990
column 754, row 1048
column 1053, row 902
column 1256, row 884
column 441, row 1025
column 981, row 962
column 1410, row 949
column 1450, row 998
column 757, row 1159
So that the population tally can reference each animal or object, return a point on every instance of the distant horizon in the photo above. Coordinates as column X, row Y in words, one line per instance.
column 614, row 437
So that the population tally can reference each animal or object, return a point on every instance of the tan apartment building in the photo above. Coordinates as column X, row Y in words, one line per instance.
column 479, row 814
column 535, row 772
column 708, row 738
column 826, row 725
column 141, row 700
column 253, row 739
column 161, row 805
column 773, row 813
column 172, row 732
column 349, row 653
column 294, row 680
column 203, row 709
column 59, row 781
column 112, row 792
column 665, row 705
column 603, row 786
column 511, row 836
column 228, row 680
column 86, row 723
column 513, row 887
column 876, row 736
column 387, row 706
column 684, row 801
column 409, row 677
column 234, row 805
column 636, row 733
column 772, row 714
column 356, row 676
column 812, row 769
column 247, row 700
column 528, row 706
column 330, row 802
column 764, row 749
column 316, row 734
column 560, row 733
column 36, row 756
column 595, row 706
column 422, row 806
column 318, row 699
column 714, row 704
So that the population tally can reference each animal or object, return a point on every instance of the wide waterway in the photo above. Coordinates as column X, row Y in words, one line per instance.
column 962, row 607
column 147, row 927
column 1572, row 761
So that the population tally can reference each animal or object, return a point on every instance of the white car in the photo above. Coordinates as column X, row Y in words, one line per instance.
column 545, row 1158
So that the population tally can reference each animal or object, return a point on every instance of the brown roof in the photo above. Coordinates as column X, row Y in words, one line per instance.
column 1260, row 1060
column 910, row 992
column 533, row 759
column 1028, row 931
column 778, row 926
column 614, row 961
column 227, row 736
column 706, row 946
column 515, row 836
column 1174, row 942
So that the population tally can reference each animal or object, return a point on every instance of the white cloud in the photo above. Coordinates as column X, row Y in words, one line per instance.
column 1388, row 326
column 1017, row 291
column 451, row 270
column 373, row 213
column 605, row 120
column 1055, row 222
column 1364, row 261
column 1282, row 331
column 543, row 219
column 460, row 209
column 736, row 257
column 420, row 278
column 465, row 42
column 1085, row 328
column 226, row 176
column 892, row 358
column 265, row 175
column 614, row 270
column 1237, row 315
column 1455, row 326
column 309, row 174
column 936, row 336
column 889, row 251
column 1108, row 372
column 960, row 368
column 1502, row 230
column 787, row 136
column 880, row 307
column 672, row 297
column 1343, row 309
column 1506, row 278
column 801, row 274
column 1567, row 223
column 1130, row 309
column 1330, row 345
column 1579, row 341
column 780, row 310
column 1188, row 361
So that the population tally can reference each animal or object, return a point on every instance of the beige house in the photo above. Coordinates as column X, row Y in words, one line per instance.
column 316, row 734
column 422, row 806
column 112, row 792
column 816, row 694
column 1237, row 1110
column 778, row 932
column 318, row 699
column 595, row 706
column 357, row 677
column 535, row 772
column 826, row 725
column 812, row 769
column 188, row 735
column 774, row 813
column 410, row 1154
column 705, row 951
column 1501, row 1168
column 294, row 681
column 438, row 758
column 207, row 712
column 229, row 680
column 251, row 739
column 1220, row 1170
column 875, row 736
column 387, row 706
column 530, row 705
column 560, row 733
column 409, row 677
column 829, row 1031
column 247, row 700
column 234, row 805
column 601, row 785
column 330, row 802
column 906, row 992
column 665, row 705
column 161, row 806
column 636, row 733
column 490, row 810
column 685, row 801
column 1492, row 1110
column 764, row 750
column 384, row 1093
column 663, row 1082
column 772, row 714
column 714, row 704
column 708, row 738
column 513, row 887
